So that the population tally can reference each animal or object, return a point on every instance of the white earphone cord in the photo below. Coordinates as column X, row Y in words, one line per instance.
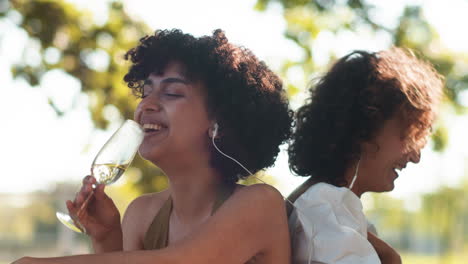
column 251, row 174
column 240, row 164
column 355, row 175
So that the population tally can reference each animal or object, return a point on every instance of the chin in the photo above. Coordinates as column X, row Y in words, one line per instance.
column 389, row 187
column 149, row 155
column 384, row 188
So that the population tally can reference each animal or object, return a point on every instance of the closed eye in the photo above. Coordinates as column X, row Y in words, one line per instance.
column 173, row 95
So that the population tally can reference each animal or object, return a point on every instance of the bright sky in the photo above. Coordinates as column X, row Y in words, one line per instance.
column 39, row 148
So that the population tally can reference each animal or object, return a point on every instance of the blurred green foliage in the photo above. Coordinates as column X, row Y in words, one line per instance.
column 436, row 226
column 61, row 28
column 78, row 40
column 306, row 19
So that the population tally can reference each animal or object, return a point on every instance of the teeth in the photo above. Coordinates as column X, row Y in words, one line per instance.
column 152, row 126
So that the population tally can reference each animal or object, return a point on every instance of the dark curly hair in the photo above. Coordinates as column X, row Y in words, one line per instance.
column 243, row 95
column 351, row 102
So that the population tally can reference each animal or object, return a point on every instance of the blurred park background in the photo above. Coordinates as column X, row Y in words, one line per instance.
column 62, row 95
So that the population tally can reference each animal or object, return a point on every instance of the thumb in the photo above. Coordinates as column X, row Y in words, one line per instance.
column 99, row 192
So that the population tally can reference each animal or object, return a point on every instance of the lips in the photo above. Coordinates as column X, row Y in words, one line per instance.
column 398, row 168
column 151, row 123
column 152, row 127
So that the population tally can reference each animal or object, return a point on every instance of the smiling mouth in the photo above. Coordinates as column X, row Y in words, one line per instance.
column 398, row 169
column 149, row 128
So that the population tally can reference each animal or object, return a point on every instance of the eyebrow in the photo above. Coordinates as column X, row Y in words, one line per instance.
column 167, row 80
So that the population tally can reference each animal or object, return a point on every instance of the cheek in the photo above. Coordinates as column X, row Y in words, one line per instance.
column 391, row 152
column 136, row 114
column 374, row 165
column 194, row 114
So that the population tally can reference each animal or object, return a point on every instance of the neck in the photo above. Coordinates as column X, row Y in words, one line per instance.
column 193, row 189
column 349, row 175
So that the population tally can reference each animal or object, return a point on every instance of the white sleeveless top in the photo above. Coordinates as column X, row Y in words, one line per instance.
column 328, row 225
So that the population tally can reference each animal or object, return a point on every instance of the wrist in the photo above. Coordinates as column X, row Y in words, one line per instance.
column 111, row 241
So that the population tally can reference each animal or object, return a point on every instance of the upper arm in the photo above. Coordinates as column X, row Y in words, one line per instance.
column 132, row 235
column 252, row 221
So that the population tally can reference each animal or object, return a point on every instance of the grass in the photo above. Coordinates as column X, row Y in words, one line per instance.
column 458, row 258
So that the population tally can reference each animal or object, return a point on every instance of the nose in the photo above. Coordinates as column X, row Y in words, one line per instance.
column 415, row 156
column 147, row 104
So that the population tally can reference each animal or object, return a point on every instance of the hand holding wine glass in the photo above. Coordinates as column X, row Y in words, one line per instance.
column 93, row 211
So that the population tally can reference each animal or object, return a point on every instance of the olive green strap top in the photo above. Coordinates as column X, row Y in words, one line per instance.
column 157, row 235
column 296, row 193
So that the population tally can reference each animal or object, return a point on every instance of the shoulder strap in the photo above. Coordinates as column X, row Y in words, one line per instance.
column 296, row 193
column 158, row 233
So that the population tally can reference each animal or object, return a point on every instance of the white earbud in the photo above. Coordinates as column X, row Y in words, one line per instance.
column 215, row 130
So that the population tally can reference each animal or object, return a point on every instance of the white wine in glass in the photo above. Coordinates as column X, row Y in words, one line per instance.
column 110, row 162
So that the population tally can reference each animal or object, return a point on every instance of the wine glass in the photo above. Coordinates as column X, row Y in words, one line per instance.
column 110, row 163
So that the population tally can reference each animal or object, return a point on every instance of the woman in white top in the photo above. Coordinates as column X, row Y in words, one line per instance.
column 367, row 117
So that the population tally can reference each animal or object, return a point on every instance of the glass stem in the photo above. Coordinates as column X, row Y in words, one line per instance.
column 84, row 204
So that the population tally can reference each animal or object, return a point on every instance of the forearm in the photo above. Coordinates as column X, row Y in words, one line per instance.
column 121, row 257
column 390, row 258
column 386, row 253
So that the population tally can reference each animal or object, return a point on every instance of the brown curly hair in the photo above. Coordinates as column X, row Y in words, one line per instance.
column 243, row 95
column 351, row 102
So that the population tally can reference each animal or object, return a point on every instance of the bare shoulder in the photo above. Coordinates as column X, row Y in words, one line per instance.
column 254, row 218
column 259, row 191
column 262, row 197
column 139, row 216
column 250, row 223
column 147, row 201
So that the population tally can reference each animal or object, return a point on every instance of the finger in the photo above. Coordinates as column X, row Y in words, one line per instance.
column 87, row 185
column 89, row 179
column 70, row 206
column 80, row 195
column 99, row 192
column 77, row 216
column 84, row 192
column 75, row 211
column 72, row 209
column 86, row 203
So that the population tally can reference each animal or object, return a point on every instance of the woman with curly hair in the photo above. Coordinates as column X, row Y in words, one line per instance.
column 197, row 95
column 367, row 117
